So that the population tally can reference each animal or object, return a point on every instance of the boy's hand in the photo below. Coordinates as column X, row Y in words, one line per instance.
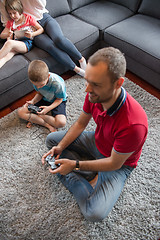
column 44, row 111
column 30, row 102
column 27, row 103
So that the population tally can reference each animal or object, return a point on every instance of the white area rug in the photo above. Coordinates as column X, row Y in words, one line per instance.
column 35, row 205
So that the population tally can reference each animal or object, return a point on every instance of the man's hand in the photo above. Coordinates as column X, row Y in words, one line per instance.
column 66, row 166
column 55, row 151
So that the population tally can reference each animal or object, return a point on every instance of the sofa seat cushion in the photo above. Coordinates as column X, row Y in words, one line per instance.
column 102, row 14
column 14, row 81
column 81, row 34
column 39, row 54
column 139, row 38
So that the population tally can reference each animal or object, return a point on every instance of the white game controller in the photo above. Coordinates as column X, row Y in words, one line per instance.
column 51, row 161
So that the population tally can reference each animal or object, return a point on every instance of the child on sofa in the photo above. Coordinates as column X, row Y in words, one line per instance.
column 53, row 40
column 51, row 96
column 19, row 31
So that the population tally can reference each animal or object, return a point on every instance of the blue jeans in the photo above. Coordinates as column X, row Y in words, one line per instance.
column 55, row 43
column 95, row 203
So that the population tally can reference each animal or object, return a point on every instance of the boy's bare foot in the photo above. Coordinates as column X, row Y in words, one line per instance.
column 29, row 125
column 51, row 128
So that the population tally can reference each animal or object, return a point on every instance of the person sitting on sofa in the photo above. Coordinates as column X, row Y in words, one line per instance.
column 52, row 41
column 113, row 150
column 19, row 23
column 51, row 96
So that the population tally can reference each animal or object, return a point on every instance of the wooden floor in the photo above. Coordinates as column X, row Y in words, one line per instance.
column 69, row 74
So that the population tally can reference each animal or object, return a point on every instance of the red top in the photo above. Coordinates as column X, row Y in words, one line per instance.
column 29, row 21
column 123, row 127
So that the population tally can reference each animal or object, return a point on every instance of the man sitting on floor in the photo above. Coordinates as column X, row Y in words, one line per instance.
column 95, row 165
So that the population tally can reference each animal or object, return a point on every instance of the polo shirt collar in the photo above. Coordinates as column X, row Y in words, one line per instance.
column 118, row 103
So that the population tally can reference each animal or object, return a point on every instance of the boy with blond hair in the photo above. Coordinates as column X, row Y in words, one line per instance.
column 51, row 96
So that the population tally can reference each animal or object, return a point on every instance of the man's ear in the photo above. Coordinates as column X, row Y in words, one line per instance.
column 119, row 82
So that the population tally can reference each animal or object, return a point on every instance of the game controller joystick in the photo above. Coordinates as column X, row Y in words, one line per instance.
column 51, row 161
column 34, row 109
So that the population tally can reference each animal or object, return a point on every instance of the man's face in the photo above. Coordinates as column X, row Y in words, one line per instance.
column 98, row 84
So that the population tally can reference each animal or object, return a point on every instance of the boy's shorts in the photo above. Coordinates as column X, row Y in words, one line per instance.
column 60, row 109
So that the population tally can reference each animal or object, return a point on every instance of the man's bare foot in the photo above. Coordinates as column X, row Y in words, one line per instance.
column 52, row 129
column 93, row 182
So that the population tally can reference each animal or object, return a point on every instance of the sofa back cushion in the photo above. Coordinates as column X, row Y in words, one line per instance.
column 74, row 4
column 150, row 7
column 131, row 4
column 57, row 7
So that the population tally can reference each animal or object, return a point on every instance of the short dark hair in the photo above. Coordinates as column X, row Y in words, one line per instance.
column 38, row 71
column 113, row 58
column 14, row 5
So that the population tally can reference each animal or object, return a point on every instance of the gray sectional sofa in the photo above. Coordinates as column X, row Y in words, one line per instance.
column 133, row 26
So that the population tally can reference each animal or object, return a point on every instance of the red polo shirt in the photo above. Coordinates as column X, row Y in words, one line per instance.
column 123, row 127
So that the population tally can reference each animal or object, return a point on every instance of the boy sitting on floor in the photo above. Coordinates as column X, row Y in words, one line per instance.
column 51, row 96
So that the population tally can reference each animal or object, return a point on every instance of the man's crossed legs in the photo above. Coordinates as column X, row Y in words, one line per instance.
column 95, row 203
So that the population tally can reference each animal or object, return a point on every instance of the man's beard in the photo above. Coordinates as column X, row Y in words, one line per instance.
column 97, row 99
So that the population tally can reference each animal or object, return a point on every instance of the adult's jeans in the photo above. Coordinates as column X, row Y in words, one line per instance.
column 55, row 43
column 95, row 203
